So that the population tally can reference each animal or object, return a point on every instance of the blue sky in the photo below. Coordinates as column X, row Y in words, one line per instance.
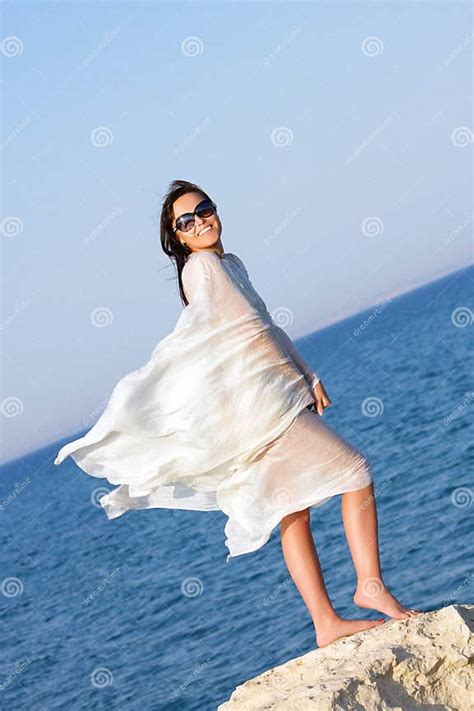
column 334, row 137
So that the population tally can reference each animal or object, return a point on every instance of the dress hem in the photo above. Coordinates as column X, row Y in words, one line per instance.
column 308, row 503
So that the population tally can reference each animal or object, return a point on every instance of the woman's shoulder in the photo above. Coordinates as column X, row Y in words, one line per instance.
column 203, row 266
column 208, row 259
column 203, row 257
column 197, row 260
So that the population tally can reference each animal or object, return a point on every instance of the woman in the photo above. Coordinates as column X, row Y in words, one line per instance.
column 220, row 418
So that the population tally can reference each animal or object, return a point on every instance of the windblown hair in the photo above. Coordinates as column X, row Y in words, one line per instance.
column 177, row 252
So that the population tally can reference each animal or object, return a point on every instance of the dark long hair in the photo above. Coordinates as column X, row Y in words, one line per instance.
column 177, row 252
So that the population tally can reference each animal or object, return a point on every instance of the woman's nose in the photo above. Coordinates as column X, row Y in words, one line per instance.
column 198, row 223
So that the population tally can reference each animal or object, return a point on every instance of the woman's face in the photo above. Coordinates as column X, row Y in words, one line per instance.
column 207, row 230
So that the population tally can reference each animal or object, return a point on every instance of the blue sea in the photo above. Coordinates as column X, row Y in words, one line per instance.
column 144, row 613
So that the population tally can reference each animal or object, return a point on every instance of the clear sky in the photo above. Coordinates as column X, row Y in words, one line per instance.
column 335, row 138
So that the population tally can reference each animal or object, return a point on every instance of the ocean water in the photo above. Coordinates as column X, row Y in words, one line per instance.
column 144, row 613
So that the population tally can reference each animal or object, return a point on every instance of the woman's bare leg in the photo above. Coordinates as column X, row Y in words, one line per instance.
column 359, row 515
column 303, row 564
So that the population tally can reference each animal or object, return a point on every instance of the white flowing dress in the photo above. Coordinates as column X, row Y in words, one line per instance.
column 218, row 418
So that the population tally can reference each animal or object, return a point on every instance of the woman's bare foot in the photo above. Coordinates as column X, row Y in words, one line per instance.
column 373, row 595
column 339, row 627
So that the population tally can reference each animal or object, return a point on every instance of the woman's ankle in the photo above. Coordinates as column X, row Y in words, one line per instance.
column 370, row 585
column 324, row 622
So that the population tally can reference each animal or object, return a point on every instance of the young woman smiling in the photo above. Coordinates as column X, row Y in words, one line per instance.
column 226, row 415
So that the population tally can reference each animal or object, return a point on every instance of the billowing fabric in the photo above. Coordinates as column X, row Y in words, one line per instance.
column 203, row 424
column 306, row 466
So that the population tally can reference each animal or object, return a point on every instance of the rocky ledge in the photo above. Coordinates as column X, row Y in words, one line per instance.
column 420, row 662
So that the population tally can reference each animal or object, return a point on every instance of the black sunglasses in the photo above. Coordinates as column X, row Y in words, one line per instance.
column 185, row 222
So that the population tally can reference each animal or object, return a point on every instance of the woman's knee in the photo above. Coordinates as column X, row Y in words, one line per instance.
column 304, row 516
column 363, row 469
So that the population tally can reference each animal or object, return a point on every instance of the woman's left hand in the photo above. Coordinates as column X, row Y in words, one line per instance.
column 322, row 399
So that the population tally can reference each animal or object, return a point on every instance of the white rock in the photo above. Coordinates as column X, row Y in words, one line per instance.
column 402, row 665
